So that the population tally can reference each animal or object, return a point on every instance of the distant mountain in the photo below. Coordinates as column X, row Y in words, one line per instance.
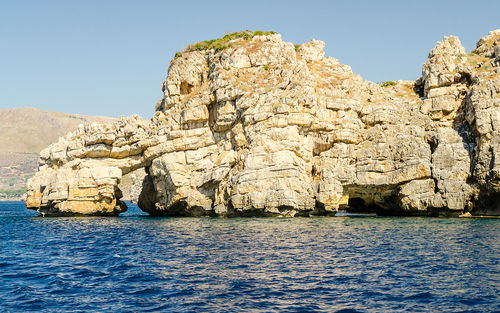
column 24, row 132
column 29, row 130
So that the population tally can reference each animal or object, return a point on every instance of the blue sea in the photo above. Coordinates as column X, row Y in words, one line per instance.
column 136, row 263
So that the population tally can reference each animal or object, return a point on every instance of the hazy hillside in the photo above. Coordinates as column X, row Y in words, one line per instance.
column 31, row 130
column 24, row 132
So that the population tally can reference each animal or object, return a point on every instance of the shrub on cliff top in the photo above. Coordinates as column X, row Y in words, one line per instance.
column 226, row 41
column 388, row 83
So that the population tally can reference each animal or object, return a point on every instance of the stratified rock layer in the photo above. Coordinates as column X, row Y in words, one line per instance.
column 266, row 128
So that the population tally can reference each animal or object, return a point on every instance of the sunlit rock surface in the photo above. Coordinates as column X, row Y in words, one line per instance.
column 264, row 127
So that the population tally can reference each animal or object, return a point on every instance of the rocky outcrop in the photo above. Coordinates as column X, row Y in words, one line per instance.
column 263, row 127
column 24, row 132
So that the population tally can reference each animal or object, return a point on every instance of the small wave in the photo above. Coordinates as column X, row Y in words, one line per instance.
column 138, row 263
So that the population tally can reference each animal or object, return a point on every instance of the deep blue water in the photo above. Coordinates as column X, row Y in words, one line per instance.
column 136, row 263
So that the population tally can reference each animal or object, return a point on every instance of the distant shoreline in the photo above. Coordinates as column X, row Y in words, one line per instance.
column 23, row 200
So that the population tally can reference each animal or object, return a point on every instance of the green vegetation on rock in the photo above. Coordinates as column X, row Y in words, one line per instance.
column 225, row 42
column 388, row 83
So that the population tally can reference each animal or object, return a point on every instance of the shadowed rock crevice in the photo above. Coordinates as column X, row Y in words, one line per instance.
column 185, row 88
column 147, row 197
column 358, row 205
column 259, row 128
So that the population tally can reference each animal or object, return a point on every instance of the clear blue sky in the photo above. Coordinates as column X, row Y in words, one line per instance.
column 109, row 57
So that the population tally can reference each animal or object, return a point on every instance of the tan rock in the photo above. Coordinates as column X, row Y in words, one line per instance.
column 262, row 129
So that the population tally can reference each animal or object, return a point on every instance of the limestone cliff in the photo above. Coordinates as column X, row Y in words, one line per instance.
column 252, row 125
column 24, row 132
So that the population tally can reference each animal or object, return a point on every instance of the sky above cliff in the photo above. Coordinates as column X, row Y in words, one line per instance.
column 110, row 57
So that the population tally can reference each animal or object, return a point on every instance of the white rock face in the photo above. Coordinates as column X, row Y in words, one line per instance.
column 263, row 128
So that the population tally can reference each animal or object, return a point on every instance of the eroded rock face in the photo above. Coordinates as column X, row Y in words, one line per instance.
column 265, row 128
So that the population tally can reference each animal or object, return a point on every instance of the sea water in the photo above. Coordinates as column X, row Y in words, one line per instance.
column 136, row 263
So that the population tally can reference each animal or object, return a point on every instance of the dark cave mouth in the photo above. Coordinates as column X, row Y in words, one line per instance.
column 359, row 205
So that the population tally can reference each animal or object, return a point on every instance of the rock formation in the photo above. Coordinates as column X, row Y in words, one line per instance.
column 24, row 132
column 252, row 125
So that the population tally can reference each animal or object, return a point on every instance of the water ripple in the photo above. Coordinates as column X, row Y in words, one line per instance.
column 136, row 263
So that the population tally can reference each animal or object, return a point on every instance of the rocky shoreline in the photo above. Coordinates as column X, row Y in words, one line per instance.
column 253, row 126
